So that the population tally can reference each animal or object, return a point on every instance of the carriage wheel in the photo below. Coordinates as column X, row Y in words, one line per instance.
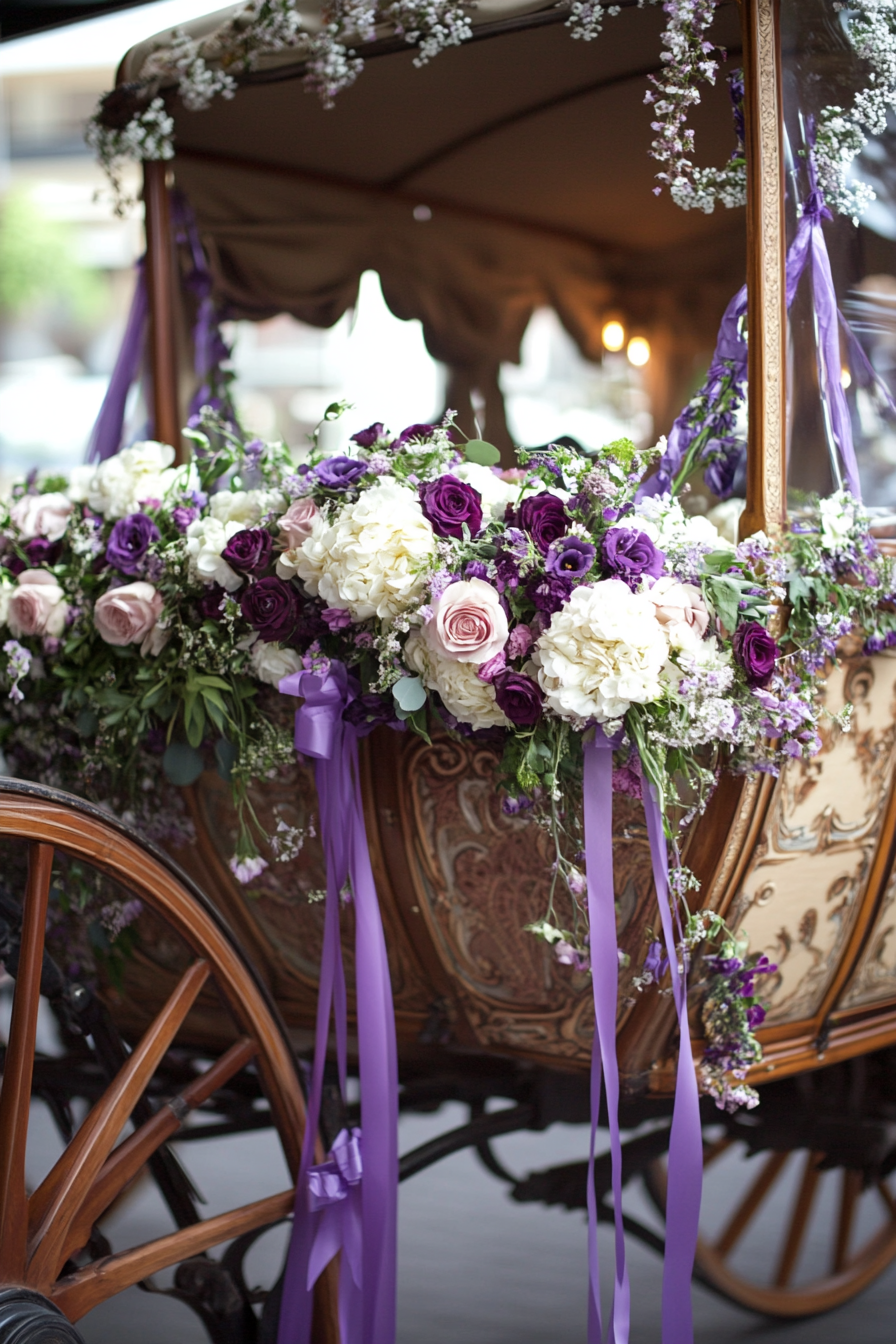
column 50, row 1245
column 793, row 1239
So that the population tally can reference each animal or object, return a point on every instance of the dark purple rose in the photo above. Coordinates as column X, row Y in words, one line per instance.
column 519, row 697
column 366, row 438
column 42, row 552
column 273, row 608
column 414, row 432
column 756, row 652
column 570, row 556
column 249, row 551
column 370, row 711
column 129, row 541
column 209, row 604
column 449, row 503
column 548, row 592
column 338, row 473
column 627, row 555
column 544, row 518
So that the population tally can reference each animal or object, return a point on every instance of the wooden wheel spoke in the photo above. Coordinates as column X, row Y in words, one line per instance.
column 740, row 1219
column 54, row 1205
column 850, row 1191
column 798, row 1221
column 885, row 1194
column 78, row 1293
column 713, row 1151
column 15, row 1097
column 131, row 1155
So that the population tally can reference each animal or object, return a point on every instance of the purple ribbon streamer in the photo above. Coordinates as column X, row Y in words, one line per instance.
column 367, row 1294
column 105, row 437
column 686, row 1142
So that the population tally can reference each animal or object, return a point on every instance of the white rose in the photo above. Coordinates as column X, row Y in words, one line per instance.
column 120, row 484
column 495, row 493
column 79, row 479
column 371, row 557
column 206, row 539
column 41, row 515
column 837, row 522
column 466, row 697
column 6, row 592
column 245, row 506
column 603, row 651
column 271, row 662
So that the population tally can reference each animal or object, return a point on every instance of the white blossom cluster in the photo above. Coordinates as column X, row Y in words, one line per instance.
column 148, row 135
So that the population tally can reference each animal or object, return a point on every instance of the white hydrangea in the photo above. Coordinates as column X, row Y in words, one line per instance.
column 206, row 539
column 466, row 697
column 246, row 507
column 674, row 529
column 372, row 557
column 271, row 662
column 602, row 652
column 118, row 486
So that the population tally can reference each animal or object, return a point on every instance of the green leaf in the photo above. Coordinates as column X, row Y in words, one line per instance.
column 87, row 723
column 726, row 597
column 226, row 756
column 486, row 454
column 182, row 764
column 409, row 694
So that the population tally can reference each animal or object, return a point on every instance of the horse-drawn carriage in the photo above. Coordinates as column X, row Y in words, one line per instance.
column 509, row 175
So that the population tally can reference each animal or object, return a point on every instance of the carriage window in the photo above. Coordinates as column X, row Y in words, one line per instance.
column 820, row 69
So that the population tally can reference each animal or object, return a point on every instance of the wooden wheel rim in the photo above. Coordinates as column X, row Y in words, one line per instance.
column 48, row 820
column 853, row 1272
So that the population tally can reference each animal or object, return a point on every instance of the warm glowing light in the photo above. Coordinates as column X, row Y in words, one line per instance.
column 638, row 351
column 845, row 377
column 613, row 335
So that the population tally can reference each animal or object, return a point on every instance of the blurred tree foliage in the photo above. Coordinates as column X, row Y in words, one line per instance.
column 38, row 268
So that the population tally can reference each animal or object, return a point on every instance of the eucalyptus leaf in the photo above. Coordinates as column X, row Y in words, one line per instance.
column 486, row 454
column 409, row 694
column 182, row 764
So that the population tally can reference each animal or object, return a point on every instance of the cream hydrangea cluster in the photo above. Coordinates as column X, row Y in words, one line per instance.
column 119, row 485
column 371, row 558
column 602, row 652
column 463, row 693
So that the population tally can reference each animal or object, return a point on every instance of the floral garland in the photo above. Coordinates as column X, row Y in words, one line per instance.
column 150, row 614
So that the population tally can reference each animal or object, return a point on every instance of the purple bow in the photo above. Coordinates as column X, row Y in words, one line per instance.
column 334, row 1205
column 686, row 1144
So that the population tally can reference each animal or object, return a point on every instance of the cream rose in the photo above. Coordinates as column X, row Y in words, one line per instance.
column 127, row 615
column 468, row 624
column 246, row 507
column 603, row 651
column 271, row 662
column 6, row 592
column 680, row 610
column 206, row 539
column 466, row 697
column 41, row 515
column 37, row 605
column 119, row 485
column 370, row 558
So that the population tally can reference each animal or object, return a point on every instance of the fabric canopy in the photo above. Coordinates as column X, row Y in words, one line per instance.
column 509, row 173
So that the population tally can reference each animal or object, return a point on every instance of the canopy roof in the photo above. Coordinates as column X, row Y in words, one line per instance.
column 529, row 152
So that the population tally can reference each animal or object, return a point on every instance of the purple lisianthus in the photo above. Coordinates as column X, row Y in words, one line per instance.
column 273, row 608
column 338, row 473
column 756, row 652
column 366, row 438
column 548, row 592
column 413, row 432
column 519, row 697
column 449, row 503
column 755, row 1016
column 209, row 604
column 249, row 551
column 183, row 516
column 129, row 541
column 628, row 555
column 544, row 518
column 570, row 556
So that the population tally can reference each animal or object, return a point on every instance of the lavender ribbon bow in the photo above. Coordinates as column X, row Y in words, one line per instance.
column 686, row 1144
column 336, row 1205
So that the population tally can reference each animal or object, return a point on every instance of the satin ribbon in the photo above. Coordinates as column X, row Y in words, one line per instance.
column 359, row 1216
column 105, row 437
column 686, row 1143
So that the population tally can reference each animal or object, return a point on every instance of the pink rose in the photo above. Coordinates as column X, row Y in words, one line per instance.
column 681, row 609
column 296, row 523
column 37, row 606
column 469, row 624
column 41, row 516
column 126, row 615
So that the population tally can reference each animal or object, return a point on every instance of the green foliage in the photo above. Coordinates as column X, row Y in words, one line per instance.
column 37, row 264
